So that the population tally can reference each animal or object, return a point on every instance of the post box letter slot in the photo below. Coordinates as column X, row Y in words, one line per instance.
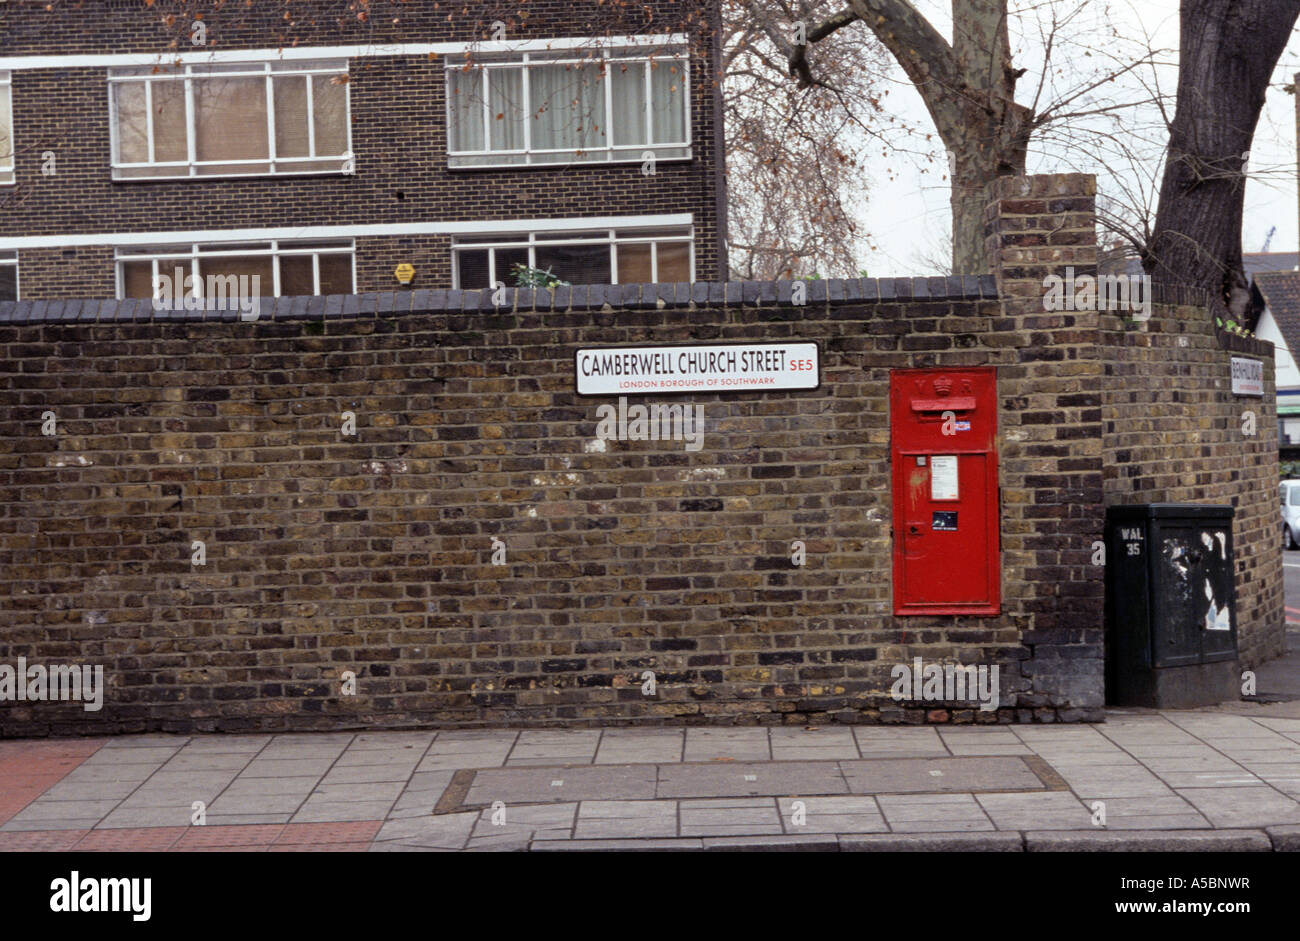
column 960, row 403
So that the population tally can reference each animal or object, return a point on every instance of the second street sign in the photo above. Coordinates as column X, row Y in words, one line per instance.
column 723, row 367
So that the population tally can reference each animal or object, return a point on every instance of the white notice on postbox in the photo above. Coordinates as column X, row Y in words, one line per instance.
column 943, row 477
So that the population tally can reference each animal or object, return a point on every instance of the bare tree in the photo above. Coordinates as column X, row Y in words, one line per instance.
column 1228, row 50
column 969, row 88
column 796, row 155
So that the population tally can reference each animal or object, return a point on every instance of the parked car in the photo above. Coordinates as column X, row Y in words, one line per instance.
column 1290, row 514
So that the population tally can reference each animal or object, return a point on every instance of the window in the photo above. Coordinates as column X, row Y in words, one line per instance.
column 604, row 257
column 231, row 120
column 8, row 276
column 6, row 131
column 282, row 269
column 545, row 109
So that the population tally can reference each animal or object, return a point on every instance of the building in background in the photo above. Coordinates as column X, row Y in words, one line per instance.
column 319, row 155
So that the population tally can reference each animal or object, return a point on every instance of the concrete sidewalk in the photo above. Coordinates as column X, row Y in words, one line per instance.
column 1220, row 779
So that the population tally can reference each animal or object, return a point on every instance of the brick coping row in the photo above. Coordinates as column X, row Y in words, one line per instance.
column 562, row 299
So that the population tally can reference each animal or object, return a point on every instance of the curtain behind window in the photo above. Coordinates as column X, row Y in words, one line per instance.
column 465, row 102
column 230, row 120
column 628, row 89
column 506, row 112
column 568, row 107
column 668, row 99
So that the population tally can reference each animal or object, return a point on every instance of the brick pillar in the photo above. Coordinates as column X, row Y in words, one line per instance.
column 1051, row 442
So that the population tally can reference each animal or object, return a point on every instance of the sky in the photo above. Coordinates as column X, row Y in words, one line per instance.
column 907, row 213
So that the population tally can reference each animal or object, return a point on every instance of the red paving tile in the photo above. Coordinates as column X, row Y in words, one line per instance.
column 143, row 839
column 28, row 768
column 320, row 848
column 220, row 849
column 40, row 841
column 358, row 831
column 254, row 834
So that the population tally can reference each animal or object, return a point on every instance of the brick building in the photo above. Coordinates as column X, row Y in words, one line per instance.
column 318, row 152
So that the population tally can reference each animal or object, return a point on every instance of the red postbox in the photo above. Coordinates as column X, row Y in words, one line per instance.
column 943, row 436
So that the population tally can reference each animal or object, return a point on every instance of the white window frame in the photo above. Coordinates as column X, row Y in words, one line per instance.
column 8, row 162
column 188, row 169
column 190, row 255
column 613, row 238
column 10, row 259
column 613, row 153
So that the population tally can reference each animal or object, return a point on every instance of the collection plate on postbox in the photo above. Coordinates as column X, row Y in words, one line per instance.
column 943, row 450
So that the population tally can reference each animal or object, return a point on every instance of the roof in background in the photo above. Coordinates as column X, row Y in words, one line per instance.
column 1281, row 292
column 1253, row 262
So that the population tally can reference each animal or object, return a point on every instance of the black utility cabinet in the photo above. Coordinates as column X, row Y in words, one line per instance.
column 1171, row 613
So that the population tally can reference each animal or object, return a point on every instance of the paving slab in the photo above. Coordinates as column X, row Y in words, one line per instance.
column 449, row 831
column 286, row 767
column 833, row 815
column 750, row 779
column 392, row 740
column 625, row 828
column 362, row 775
column 321, row 811
column 1227, row 807
column 1054, row 810
column 1209, row 779
column 259, row 787
column 189, row 761
column 43, row 809
column 938, row 775
column 258, row 804
column 528, row 785
column 63, row 823
column 131, row 755
column 730, row 817
column 365, row 757
column 891, row 742
column 102, row 790
column 226, row 744
column 655, row 747
column 382, row 791
column 935, row 813
column 727, row 744
column 148, row 817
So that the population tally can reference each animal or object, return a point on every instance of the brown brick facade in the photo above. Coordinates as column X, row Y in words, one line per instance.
column 399, row 137
column 373, row 554
column 1174, row 434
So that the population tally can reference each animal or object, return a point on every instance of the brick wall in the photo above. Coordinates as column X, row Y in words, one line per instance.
column 373, row 554
column 1174, row 434
column 398, row 105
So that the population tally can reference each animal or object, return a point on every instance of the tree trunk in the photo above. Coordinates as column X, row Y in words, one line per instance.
column 1227, row 52
column 968, row 87
column 980, row 153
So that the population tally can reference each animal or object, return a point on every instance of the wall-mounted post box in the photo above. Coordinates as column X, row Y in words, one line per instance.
column 943, row 445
